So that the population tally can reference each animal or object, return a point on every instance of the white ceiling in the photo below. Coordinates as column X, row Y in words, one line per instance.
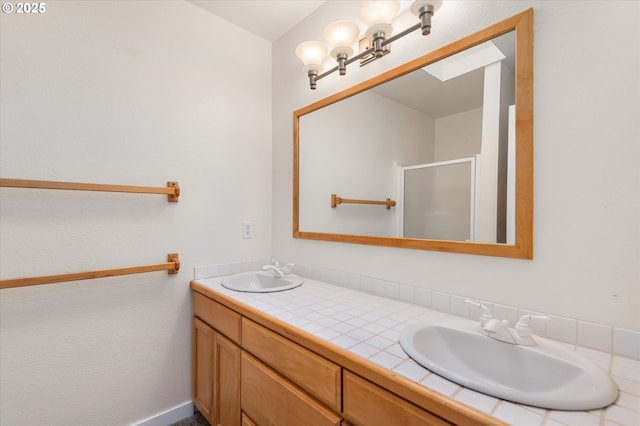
column 268, row 19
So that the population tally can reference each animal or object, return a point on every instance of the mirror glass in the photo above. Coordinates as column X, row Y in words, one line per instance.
column 435, row 154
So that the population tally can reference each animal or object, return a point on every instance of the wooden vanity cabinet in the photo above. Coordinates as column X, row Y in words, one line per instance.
column 216, row 363
column 247, row 373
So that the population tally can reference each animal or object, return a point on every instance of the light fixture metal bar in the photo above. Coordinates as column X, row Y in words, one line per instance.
column 347, row 62
column 370, row 50
column 401, row 34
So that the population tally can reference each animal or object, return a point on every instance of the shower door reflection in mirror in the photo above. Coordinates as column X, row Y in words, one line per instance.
column 438, row 200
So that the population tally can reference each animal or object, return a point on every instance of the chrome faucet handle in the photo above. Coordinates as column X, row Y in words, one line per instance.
column 485, row 316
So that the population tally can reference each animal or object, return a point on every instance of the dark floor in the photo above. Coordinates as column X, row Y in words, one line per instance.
column 195, row 420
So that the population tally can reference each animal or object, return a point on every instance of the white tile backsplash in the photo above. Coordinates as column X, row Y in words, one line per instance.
column 201, row 272
column 506, row 313
column 603, row 338
column 441, row 301
column 377, row 286
column 458, row 307
column 562, row 329
column 407, row 293
column 423, row 297
column 354, row 282
column 391, row 290
column 236, row 268
column 626, row 343
column 595, row 336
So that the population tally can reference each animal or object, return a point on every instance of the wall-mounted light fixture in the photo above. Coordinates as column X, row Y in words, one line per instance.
column 341, row 35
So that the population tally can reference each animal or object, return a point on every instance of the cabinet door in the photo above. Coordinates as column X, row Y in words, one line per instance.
column 226, row 387
column 216, row 376
column 202, row 374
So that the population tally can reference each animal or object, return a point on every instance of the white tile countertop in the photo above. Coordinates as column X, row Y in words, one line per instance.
column 369, row 326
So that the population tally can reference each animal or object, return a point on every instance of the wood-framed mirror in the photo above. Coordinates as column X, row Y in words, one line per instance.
column 457, row 178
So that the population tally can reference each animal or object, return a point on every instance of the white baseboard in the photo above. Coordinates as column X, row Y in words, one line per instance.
column 170, row 416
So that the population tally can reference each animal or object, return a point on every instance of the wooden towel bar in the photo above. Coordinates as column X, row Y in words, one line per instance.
column 335, row 200
column 172, row 266
column 172, row 190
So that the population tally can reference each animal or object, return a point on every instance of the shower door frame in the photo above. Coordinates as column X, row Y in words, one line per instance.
column 474, row 195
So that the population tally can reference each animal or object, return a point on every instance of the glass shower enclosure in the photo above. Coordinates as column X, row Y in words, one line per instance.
column 438, row 200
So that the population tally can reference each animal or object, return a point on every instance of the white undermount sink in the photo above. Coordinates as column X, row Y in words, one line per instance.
column 260, row 282
column 546, row 375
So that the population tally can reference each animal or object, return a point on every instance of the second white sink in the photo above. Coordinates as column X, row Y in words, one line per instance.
column 546, row 375
column 260, row 282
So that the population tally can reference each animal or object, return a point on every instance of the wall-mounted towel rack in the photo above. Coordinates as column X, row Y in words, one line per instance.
column 335, row 200
column 172, row 266
column 172, row 190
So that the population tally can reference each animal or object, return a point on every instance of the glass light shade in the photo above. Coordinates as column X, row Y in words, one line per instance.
column 312, row 53
column 378, row 11
column 418, row 4
column 341, row 33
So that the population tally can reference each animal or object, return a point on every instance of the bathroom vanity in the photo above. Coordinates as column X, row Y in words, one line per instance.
column 253, row 366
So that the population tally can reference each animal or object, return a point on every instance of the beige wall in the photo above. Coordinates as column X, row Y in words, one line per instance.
column 133, row 93
column 465, row 129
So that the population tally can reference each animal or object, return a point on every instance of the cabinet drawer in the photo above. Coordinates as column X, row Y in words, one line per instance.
column 270, row 399
column 370, row 405
column 316, row 375
column 218, row 316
